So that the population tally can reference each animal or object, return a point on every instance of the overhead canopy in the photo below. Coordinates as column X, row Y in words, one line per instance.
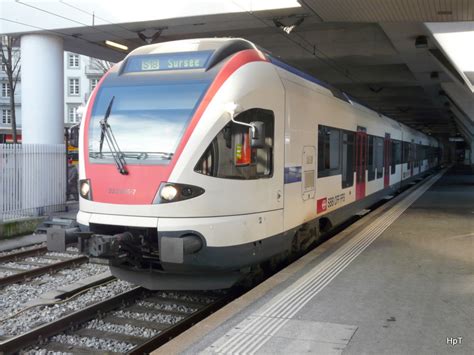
column 389, row 54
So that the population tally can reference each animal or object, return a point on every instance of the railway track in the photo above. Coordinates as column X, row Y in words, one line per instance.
column 22, row 252
column 26, row 264
column 135, row 321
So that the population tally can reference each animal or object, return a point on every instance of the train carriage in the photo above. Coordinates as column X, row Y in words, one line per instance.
column 203, row 158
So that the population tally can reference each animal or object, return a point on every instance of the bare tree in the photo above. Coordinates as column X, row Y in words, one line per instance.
column 101, row 65
column 11, row 63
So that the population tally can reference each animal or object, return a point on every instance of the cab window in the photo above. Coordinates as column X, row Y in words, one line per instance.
column 231, row 155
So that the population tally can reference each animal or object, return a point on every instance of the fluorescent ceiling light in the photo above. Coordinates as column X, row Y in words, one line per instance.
column 260, row 5
column 116, row 45
column 456, row 39
column 459, row 47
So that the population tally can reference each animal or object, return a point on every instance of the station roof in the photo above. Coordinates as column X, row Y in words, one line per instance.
column 393, row 56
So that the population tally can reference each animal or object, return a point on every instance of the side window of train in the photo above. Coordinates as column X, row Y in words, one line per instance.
column 348, row 167
column 406, row 152
column 416, row 155
column 329, row 155
column 371, row 163
column 231, row 154
column 378, row 156
column 432, row 154
column 396, row 154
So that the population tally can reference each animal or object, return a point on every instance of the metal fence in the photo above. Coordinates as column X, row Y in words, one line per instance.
column 32, row 180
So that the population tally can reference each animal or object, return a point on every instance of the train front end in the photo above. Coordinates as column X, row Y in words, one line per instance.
column 158, row 144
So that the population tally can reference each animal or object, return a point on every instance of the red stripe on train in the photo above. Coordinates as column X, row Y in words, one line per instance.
column 139, row 187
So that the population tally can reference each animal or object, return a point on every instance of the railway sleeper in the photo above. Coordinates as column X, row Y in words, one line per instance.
column 122, row 337
column 65, row 348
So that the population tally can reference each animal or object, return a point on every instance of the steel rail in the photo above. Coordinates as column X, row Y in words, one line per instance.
column 21, row 276
column 19, row 342
column 71, row 321
column 22, row 254
column 178, row 328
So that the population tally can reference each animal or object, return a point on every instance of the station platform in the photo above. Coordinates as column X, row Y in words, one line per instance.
column 72, row 207
column 398, row 281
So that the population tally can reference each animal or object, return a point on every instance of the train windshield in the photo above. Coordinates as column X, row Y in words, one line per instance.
column 147, row 122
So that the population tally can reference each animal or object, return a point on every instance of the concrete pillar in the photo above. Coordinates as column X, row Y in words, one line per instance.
column 42, row 89
column 42, row 103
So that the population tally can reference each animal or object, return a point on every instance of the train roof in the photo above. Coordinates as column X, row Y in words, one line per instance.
column 224, row 47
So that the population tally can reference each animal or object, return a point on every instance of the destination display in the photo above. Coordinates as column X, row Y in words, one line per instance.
column 168, row 61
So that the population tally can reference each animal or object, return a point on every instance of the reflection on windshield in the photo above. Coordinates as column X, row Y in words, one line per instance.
column 148, row 121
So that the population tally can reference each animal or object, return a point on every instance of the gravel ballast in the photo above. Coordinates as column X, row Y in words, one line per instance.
column 187, row 297
column 127, row 329
column 13, row 297
column 94, row 343
column 167, row 307
column 149, row 317
column 40, row 315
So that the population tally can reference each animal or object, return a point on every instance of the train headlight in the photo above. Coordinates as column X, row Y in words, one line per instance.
column 168, row 192
column 85, row 189
column 172, row 192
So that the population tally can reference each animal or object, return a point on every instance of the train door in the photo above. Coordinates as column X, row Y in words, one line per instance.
column 361, row 161
column 308, row 176
column 387, row 160
column 411, row 157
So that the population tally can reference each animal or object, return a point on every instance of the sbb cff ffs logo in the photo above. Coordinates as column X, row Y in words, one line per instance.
column 322, row 205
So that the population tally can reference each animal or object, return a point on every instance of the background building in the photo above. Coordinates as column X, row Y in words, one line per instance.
column 81, row 75
column 5, row 108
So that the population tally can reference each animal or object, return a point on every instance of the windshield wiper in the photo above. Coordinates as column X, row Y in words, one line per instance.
column 164, row 155
column 107, row 134
column 146, row 155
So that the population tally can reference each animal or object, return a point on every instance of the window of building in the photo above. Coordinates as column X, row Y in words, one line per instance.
column 73, row 61
column 378, row 156
column 347, row 159
column 231, row 155
column 72, row 116
column 329, row 142
column 4, row 67
column 94, row 82
column 73, row 86
column 6, row 116
column 5, row 90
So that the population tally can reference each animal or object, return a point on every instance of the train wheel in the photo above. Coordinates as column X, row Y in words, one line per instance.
column 303, row 239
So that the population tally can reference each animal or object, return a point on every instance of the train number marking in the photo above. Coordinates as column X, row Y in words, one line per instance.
column 116, row 191
column 151, row 64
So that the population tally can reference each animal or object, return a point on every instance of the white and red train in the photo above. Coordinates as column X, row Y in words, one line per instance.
column 202, row 158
